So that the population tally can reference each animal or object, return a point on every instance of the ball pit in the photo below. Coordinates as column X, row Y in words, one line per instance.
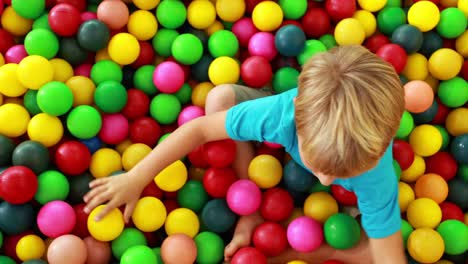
column 88, row 88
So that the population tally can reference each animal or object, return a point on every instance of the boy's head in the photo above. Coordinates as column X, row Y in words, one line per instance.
column 347, row 110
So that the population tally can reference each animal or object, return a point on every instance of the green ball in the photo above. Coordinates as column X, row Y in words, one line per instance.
column 462, row 172
column 454, row 92
column 165, row 108
column 397, row 169
column 157, row 252
column 452, row 23
column 393, row 3
column 187, row 49
column 312, row 47
column 328, row 40
column 7, row 146
column 110, row 96
column 6, row 260
column 30, row 102
column 445, row 137
column 406, row 125
column 30, row 9
column 184, row 94
column 84, row 122
column 223, row 43
column 93, row 7
column 318, row 187
column 128, row 238
column 31, row 154
column 342, row 231
column 162, row 41
column 163, row 137
column 55, row 98
column 227, row 25
column 143, row 80
column 139, row 254
column 42, row 22
column 106, row 70
column 406, row 230
column 42, row 42
column 192, row 196
column 285, row 79
column 171, row 14
column 293, row 9
column 52, row 185
column 210, row 248
column 1, row 239
column 455, row 235
column 389, row 19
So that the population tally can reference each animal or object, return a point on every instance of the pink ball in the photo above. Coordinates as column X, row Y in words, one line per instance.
column 114, row 129
column 83, row 70
column 263, row 44
column 15, row 54
column 68, row 249
column 305, row 234
column 168, row 77
column 188, row 113
column 244, row 197
column 56, row 218
column 85, row 16
column 272, row 145
column 244, row 29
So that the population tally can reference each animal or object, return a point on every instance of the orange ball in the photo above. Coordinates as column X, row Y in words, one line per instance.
column 113, row 13
column 419, row 96
column 178, row 248
column 431, row 186
column 98, row 251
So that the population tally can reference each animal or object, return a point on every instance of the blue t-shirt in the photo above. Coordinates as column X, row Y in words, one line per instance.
column 272, row 119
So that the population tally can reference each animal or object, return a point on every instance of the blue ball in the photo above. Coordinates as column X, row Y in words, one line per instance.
column 290, row 40
column 296, row 178
column 93, row 144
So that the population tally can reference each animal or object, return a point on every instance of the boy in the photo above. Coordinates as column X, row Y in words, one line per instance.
column 339, row 124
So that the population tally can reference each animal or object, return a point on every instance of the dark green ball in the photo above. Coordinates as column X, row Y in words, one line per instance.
column 389, row 19
column 93, row 35
column 408, row 37
column 342, row 231
column 71, row 51
column 458, row 189
column 16, row 218
column 431, row 42
column 30, row 102
column 200, row 69
column 428, row 115
column 35, row 261
column 79, row 186
column 296, row 178
column 33, row 155
column 217, row 217
column 7, row 146
column 459, row 149
column 192, row 196
column 403, row 79
column 184, row 95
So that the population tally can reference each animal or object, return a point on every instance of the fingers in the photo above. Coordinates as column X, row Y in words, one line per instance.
column 97, row 199
column 111, row 205
column 129, row 210
column 91, row 194
column 98, row 182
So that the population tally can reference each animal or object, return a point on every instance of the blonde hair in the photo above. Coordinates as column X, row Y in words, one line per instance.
column 347, row 110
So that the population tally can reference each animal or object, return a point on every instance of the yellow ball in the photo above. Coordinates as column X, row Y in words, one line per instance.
column 62, row 70
column 320, row 206
column 34, row 71
column 30, row 247
column 9, row 83
column 425, row 140
column 443, row 261
column 266, row 171
column 149, row 214
column 461, row 44
column 424, row 212
column 425, row 245
column 201, row 14
column 200, row 92
column 297, row 262
column 416, row 67
column 267, row 16
column 83, row 90
column 457, row 121
column 124, row 48
column 349, row 31
column 463, row 6
column 14, row 23
column 1, row 99
column 433, row 82
column 109, row 227
column 146, row 4
column 296, row 213
column 142, row 24
column 405, row 196
column 230, row 10
column 367, row 20
column 122, row 146
column 173, row 177
column 216, row 26
column 424, row 15
column 104, row 162
column 2, row 60
column 372, row 5
column 182, row 221
column 45, row 129
column 224, row 70
column 134, row 154
column 14, row 120
column 449, row 3
column 444, row 64
column 414, row 171
column 102, row 54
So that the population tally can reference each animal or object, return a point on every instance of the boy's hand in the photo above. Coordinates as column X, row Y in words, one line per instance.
column 116, row 191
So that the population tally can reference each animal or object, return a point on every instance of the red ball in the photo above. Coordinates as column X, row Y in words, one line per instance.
column 171, row 205
column 291, row 22
column 217, row 181
column 340, row 9
column 403, row 153
column 332, row 261
column 270, row 238
column 170, row 195
column 10, row 242
column 1, row 8
column 376, row 41
column 78, row 4
column 250, row 5
column 394, row 54
column 197, row 159
column 281, row 61
column 278, row 153
column 464, row 70
column 18, row 185
column 6, row 41
column 443, row 164
column 220, row 154
column 343, row 196
column 152, row 190
column 81, row 225
column 146, row 55
column 442, row 113
column 64, row 20
column 448, row 43
column 451, row 211
column 72, row 157
column 248, row 255
column 256, row 71
column 277, row 204
column 145, row 130
column 316, row 22
column 138, row 104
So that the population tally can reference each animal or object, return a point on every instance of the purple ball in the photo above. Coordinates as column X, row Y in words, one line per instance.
column 263, row 44
column 114, row 129
column 244, row 197
column 305, row 234
column 15, row 54
column 168, row 77
column 188, row 113
column 56, row 218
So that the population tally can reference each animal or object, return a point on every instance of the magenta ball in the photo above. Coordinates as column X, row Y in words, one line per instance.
column 83, row 70
column 15, row 54
column 305, row 234
column 263, row 44
column 244, row 197
column 188, row 113
column 85, row 16
column 56, row 218
column 114, row 129
column 168, row 77
column 244, row 29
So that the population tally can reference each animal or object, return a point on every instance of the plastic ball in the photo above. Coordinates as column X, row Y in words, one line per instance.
column 425, row 245
column 201, row 14
column 216, row 181
column 248, row 255
column 161, row 80
column 315, row 22
column 416, row 67
column 165, row 108
column 451, row 211
column 443, row 164
column 192, row 196
column 45, row 129
column 305, row 234
column 406, row 125
column 142, row 24
column 64, row 19
column 31, row 154
column 343, row 196
column 367, row 20
column 62, row 70
column 430, row 218
column 113, row 13
column 106, row 70
column 454, row 92
column 431, row 186
column 178, row 248
column 173, row 177
column 349, row 31
column 244, row 197
column 443, row 57
column 182, row 221
column 84, row 122
column 138, row 254
column 98, row 252
column 372, row 6
column 270, row 238
column 129, row 238
column 56, row 218
column 223, row 43
column 124, row 48
column 93, row 35
column 224, row 70
column 72, row 157
column 393, row 54
column 256, row 71
column 460, row 45
column 110, row 97
column 452, row 23
column 296, row 178
column 145, row 4
column 30, row 247
column 15, row 219
column 10, row 85
column 187, row 49
column 12, row 22
column 425, row 140
column 405, row 197
column 277, row 205
column 267, row 16
column 431, row 42
column 114, row 129
column 18, row 184
column 320, row 206
column 41, row 42
column 210, row 247
column 290, row 40
column 16, row 54
column 424, row 15
column 133, row 154
column 416, row 169
column 145, row 130
column 104, row 162
column 14, row 120
column 217, row 217
column 339, row 9
column 229, row 10
column 409, row 37
column 55, row 98
column 28, row 9
column 341, row 231
column 189, row 113
column 171, row 14
column 7, row 146
column 459, row 150
column 266, row 171
column 108, row 228
column 34, row 71
column 220, row 153
column 67, row 248
column 137, row 104
column 263, row 44
column 418, row 96
column 455, row 236
column 244, row 29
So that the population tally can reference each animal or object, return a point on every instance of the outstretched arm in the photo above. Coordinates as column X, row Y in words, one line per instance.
column 388, row 250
